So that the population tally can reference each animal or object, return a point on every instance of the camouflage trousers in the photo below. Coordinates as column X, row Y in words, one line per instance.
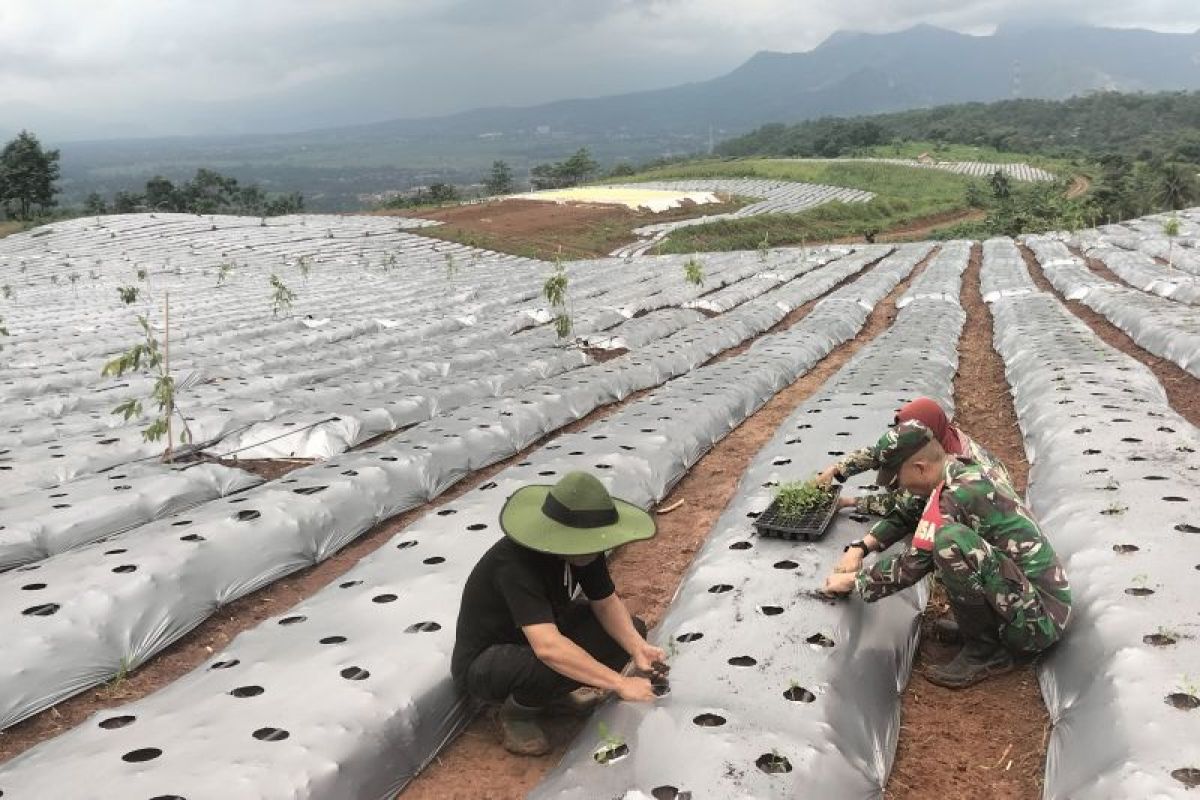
column 978, row 576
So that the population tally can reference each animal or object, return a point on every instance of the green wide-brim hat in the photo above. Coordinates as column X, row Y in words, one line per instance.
column 574, row 517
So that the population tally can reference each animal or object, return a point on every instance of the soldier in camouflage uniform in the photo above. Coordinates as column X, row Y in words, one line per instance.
column 952, row 438
column 1006, row 587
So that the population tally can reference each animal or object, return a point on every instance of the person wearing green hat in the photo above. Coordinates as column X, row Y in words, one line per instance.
column 522, row 642
column 1006, row 587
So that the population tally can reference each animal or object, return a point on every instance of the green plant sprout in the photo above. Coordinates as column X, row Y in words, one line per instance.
column 693, row 272
column 1141, row 580
column 8, row 292
column 305, row 268
column 129, row 294
column 1188, row 686
column 555, row 290
column 1114, row 509
column 451, row 267
column 797, row 497
column 223, row 271
column 764, row 247
column 281, row 297
column 610, row 740
column 1171, row 230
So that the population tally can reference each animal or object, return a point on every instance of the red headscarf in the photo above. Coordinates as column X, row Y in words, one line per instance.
column 930, row 414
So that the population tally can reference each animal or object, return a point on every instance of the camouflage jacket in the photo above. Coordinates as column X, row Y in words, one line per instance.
column 881, row 504
column 994, row 511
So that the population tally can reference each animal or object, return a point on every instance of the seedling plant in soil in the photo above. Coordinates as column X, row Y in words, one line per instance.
column 612, row 746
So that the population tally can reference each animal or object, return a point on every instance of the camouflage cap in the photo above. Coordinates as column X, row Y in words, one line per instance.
column 896, row 446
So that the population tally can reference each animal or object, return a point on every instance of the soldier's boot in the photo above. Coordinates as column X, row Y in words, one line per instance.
column 946, row 630
column 520, row 732
column 982, row 655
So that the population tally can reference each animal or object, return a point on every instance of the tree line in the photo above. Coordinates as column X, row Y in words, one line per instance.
column 29, row 175
column 209, row 192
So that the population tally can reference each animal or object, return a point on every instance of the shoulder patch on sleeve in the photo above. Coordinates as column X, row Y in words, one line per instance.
column 931, row 520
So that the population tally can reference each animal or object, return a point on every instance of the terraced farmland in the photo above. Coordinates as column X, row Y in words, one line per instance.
column 272, row 615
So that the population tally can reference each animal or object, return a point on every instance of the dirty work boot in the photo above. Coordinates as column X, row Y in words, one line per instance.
column 520, row 732
column 946, row 630
column 982, row 655
column 578, row 703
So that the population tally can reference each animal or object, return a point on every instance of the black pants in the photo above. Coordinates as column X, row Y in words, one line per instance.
column 514, row 669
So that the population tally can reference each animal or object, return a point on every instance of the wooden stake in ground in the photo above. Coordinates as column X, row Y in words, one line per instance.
column 170, row 409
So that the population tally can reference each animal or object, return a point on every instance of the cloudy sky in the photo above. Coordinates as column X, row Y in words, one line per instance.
column 73, row 69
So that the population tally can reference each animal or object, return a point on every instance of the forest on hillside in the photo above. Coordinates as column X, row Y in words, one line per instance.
column 1138, row 126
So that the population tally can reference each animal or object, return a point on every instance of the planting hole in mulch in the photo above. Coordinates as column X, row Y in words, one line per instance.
column 142, row 754
column 689, row 637
column 770, row 611
column 247, row 691
column 1183, row 701
column 233, row 662
column 1125, row 548
column 423, row 627
column 669, row 793
column 785, row 564
column 112, row 723
column 271, row 734
column 773, row 764
column 709, row 720
column 355, row 674
column 1188, row 776
column 1183, row 527
column 720, row 588
column 798, row 694
column 611, row 753
column 332, row 640
column 820, row 640
column 1159, row 639
column 741, row 545
column 743, row 661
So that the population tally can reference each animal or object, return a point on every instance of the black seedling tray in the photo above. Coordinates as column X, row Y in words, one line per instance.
column 808, row 527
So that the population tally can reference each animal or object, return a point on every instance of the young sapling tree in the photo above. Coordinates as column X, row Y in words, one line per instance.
column 693, row 271
column 555, row 290
column 148, row 356
column 129, row 294
column 281, row 296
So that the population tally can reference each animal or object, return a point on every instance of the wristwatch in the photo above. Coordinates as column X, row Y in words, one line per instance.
column 860, row 544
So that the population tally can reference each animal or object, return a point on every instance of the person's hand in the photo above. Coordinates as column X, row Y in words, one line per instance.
column 636, row 690
column 647, row 656
column 851, row 561
column 839, row 583
column 846, row 502
column 826, row 476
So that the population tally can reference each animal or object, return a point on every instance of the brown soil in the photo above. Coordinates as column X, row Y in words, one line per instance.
column 916, row 230
column 546, row 230
column 646, row 574
column 1183, row 390
column 267, row 468
column 987, row 742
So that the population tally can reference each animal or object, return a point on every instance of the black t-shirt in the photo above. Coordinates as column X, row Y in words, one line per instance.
column 513, row 586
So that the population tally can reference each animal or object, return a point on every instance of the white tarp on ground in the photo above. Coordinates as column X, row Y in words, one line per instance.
column 1115, row 482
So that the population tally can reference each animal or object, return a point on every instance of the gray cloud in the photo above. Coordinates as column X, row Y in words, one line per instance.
column 178, row 66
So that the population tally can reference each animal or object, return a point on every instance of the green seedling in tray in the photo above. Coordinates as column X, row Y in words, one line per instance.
column 799, row 497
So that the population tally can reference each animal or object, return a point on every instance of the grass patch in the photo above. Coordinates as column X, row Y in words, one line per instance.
column 904, row 196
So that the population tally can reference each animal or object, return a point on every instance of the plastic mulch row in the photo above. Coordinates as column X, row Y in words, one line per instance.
column 809, row 526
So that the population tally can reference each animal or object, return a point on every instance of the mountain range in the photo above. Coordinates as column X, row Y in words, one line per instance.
column 848, row 74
